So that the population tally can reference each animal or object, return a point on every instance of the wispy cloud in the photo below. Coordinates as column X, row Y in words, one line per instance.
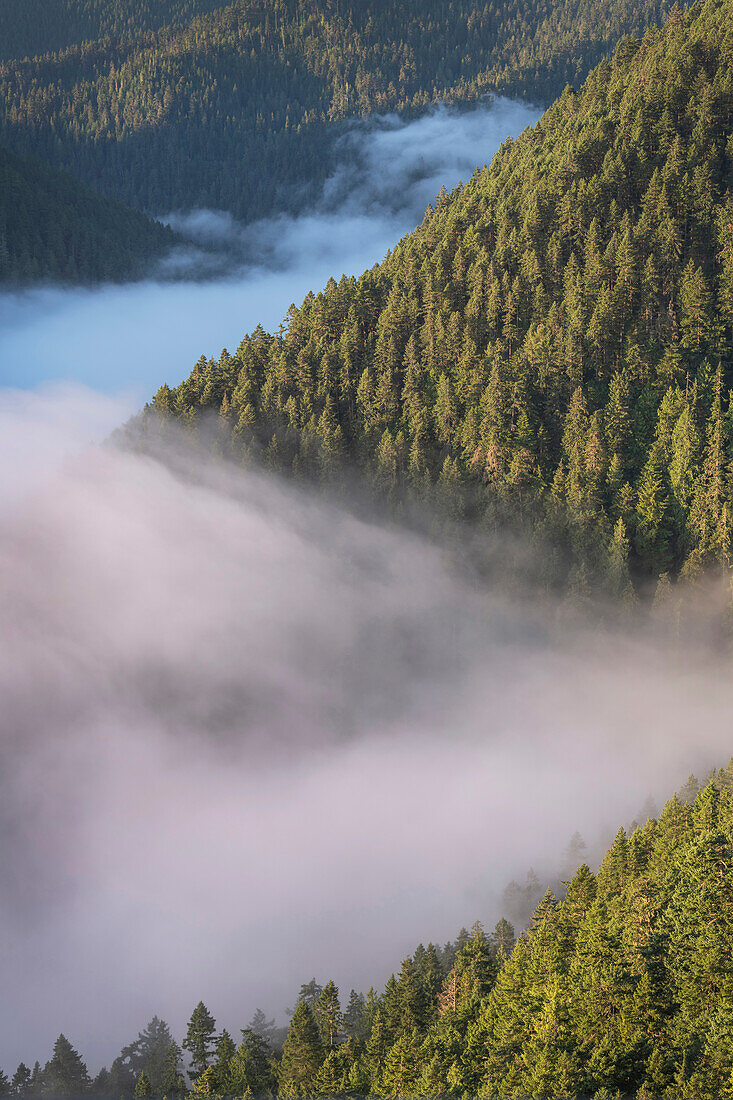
column 142, row 335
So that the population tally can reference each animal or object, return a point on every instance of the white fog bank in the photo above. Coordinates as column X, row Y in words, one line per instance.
column 248, row 738
column 136, row 337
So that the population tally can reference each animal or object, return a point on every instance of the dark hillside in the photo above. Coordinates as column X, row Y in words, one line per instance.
column 53, row 227
column 239, row 109
column 31, row 27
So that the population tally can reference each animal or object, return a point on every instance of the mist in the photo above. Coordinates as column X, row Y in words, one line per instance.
column 249, row 737
column 135, row 337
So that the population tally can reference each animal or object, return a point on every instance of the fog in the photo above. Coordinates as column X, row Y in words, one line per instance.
column 248, row 737
column 135, row 337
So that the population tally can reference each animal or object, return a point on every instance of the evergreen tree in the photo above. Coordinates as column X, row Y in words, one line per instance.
column 142, row 1087
column 65, row 1074
column 151, row 1053
column 355, row 1016
column 260, row 1025
column 327, row 1013
column 223, row 1053
column 199, row 1039
column 21, row 1083
column 303, row 1054
column 251, row 1068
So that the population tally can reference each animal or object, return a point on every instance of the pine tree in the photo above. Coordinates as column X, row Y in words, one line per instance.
column 355, row 1016
column 302, row 1056
column 327, row 1012
column 199, row 1039
column 260, row 1025
column 65, row 1074
column 21, row 1083
column 151, row 1052
column 142, row 1087
column 251, row 1068
column 223, row 1053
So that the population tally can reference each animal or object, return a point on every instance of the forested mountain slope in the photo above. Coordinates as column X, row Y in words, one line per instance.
column 236, row 109
column 53, row 227
column 624, row 987
column 552, row 346
column 31, row 27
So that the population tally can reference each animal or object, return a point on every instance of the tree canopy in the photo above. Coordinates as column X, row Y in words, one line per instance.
column 552, row 346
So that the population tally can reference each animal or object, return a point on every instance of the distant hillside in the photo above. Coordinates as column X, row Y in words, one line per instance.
column 553, row 346
column 53, row 227
column 30, row 27
column 236, row 109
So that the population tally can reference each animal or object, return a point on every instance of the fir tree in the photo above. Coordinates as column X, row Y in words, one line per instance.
column 199, row 1039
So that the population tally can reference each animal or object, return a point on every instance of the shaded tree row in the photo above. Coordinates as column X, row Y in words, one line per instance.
column 53, row 227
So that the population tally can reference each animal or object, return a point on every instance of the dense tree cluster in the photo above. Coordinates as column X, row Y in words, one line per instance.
column 621, row 984
column 239, row 108
column 32, row 27
column 53, row 227
column 552, row 346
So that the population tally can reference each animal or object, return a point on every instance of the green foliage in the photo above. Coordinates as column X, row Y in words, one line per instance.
column 239, row 108
column 303, row 1054
column 199, row 1040
column 21, row 1083
column 142, row 1087
column 251, row 1069
column 53, row 227
column 65, row 1074
column 621, row 986
column 545, row 349
column 155, row 1054
column 31, row 27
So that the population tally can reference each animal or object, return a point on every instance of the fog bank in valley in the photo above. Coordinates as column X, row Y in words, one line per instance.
column 141, row 335
column 248, row 738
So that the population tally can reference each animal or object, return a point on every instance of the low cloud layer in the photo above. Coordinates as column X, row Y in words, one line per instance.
column 139, row 336
column 247, row 738
column 389, row 172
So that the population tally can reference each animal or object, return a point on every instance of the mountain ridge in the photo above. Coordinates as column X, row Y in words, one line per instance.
column 553, row 344
column 239, row 109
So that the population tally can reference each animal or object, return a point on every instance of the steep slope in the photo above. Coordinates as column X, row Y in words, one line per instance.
column 623, row 987
column 32, row 27
column 237, row 109
column 53, row 227
column 553, row 344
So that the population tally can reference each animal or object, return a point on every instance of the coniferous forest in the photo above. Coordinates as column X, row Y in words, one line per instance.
column 620, row 985
column 540, row 371
column 239, row 108
column 551, row 348
column 53, row 227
